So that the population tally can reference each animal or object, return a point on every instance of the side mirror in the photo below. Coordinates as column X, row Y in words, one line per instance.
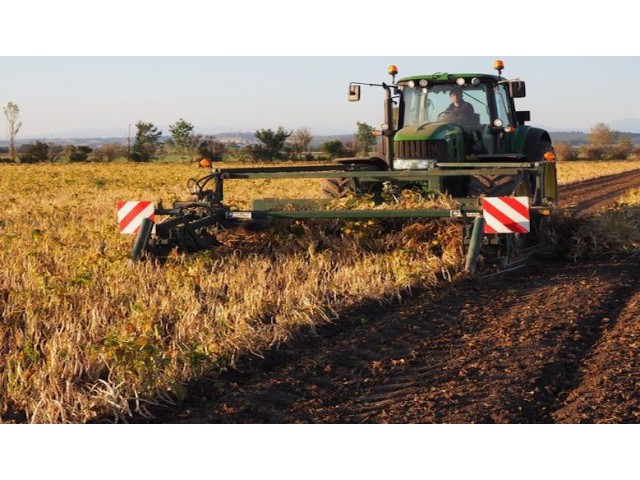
column 517, row 89
column 354, row 93
column 523, row 116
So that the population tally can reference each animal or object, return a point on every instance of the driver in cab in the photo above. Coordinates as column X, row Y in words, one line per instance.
column 460, row 110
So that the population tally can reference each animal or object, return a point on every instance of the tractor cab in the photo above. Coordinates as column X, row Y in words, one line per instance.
column 479, row 109
column 460, row 117
column 471, row 100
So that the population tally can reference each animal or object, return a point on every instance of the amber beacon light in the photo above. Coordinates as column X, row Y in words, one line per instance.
column 393, row 71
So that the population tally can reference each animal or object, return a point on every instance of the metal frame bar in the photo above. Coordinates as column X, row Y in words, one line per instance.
column 212, row 200
column 441, row 170
column 463, row 212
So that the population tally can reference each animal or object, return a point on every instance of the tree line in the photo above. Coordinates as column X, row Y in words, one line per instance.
column 148, row 145
column 603, row 143
column 272, row 144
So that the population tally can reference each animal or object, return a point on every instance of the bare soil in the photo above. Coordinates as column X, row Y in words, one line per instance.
column 555, row 342
column 588, row 196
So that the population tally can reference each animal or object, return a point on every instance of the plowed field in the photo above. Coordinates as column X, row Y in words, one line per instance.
column 556, row 342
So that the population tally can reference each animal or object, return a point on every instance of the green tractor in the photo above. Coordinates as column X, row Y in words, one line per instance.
column 432, row 120
column 454, row 134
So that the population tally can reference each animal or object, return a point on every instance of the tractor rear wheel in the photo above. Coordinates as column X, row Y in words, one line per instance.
column 543, row 147
column 492, row 185
column 505, row 185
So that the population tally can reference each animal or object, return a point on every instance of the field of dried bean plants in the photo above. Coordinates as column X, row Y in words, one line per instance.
column 85, row 334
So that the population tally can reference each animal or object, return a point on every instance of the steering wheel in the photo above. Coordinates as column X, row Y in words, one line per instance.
column 447, row 117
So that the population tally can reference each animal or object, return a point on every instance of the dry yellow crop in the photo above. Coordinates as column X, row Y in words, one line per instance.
column 630, row 198
column 613, row 230
column 571, row 172
column 84, row 333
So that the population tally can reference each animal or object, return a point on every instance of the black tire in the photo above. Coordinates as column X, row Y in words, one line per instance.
column 543, row 147
column 492, row 185
column 337, row 188
column 505, row 185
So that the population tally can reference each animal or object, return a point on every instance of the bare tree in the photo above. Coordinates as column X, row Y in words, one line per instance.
column 212, row 149
column 55, row 152
column 193, row 143
column 600, row 135
column 108, row 152
column 353, row 146
column 301, row 141
column 12, row 112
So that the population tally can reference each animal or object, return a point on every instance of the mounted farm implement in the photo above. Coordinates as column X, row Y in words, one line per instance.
column 458, row 135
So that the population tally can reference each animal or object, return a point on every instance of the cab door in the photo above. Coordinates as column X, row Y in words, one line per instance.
column 503, row 119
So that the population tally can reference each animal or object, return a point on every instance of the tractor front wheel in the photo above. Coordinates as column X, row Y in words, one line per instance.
column 337, row 188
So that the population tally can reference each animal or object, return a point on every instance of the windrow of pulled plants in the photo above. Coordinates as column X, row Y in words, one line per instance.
column 86, row 335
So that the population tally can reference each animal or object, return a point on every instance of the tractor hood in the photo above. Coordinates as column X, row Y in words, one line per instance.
column 432, row 142
column 428, row 131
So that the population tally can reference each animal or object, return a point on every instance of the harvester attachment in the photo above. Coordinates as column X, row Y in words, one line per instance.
column 497, row 230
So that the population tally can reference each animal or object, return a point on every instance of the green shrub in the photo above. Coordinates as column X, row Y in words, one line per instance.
column 592, row 152
column 26, row 158
column 79, row 154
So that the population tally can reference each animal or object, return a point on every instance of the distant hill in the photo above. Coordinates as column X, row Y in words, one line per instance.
column 581, row 138
column 90, row 142
column 574, row 138
column 246, row 138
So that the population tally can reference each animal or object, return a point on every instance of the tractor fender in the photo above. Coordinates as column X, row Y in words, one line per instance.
column 376, row 162
column 526, row 140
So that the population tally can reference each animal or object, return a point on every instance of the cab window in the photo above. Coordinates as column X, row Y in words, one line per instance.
column 424, row 105
column 502, row 105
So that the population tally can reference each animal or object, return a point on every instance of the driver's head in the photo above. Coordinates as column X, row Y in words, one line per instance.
column 456, row 94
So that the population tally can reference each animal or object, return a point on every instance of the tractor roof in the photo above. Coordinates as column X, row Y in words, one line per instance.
column 450, row 77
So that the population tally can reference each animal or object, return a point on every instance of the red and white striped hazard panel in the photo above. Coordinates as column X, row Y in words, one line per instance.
column 506, row 214
column 131, row 214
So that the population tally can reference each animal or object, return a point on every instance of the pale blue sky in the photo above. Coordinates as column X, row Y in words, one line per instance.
column 103, row 95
